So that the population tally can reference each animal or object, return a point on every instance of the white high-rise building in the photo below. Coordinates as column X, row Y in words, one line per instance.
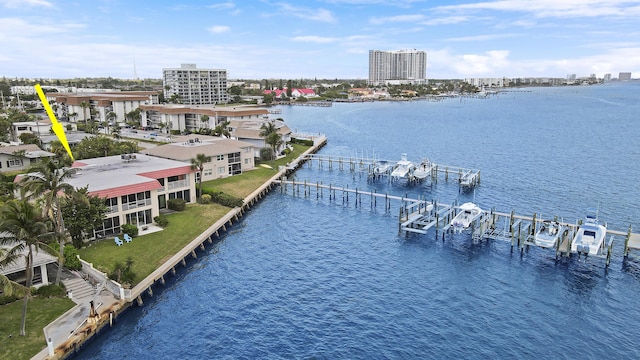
column 397, row 67
column 195, row 86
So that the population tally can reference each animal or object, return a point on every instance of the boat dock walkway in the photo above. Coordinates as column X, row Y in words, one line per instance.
column 421, row 215
column 376, row 168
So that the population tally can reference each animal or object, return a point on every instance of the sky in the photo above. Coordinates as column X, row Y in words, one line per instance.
column 323, row 39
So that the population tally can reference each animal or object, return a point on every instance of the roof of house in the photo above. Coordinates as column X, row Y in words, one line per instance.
column 193, row 145
column 39, row 258
column 118, row 175
column 209, row 110
column 252, row 128
column 31, row 151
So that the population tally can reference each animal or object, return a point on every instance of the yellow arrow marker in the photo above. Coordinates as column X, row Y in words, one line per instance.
column 55, row 125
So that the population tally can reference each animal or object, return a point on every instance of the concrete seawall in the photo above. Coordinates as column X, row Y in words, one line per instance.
column 105, row 318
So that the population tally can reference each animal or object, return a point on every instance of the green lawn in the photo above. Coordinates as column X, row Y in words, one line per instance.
column 149, row 251
column 243, row 185
column 40, row 312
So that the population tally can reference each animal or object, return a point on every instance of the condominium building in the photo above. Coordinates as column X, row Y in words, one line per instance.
column 98, row 106
column 624, row 76
column 195, row 86
column 193, row 118
column 135, row 187
column 228, row 157
column 397, row 67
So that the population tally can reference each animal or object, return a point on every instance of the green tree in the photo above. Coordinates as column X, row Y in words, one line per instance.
column 84, row 105
column 235, row 90
column 112, row 117
column 197, row 164
column 289, row 88
column 269, row 132
column 83, row 216
column 222, row 130
column 205, row 120
column 48, row 181
column 29, row 138
column 134, row 116
column 267, row 98
column 24, row 229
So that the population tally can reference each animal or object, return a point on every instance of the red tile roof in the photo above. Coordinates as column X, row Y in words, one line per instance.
column 128, row 189
column 159, row 174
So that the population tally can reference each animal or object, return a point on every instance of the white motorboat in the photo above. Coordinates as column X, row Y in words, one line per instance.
column 469, row 212
column 423, row 170
column 589, row 238
column 382, row 167
column 548, row 234
column 402, row 168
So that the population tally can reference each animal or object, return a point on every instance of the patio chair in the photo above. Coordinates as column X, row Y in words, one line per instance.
column 118, row 241
column 127, row 238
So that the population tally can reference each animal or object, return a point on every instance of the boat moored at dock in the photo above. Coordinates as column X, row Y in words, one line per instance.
column 548, row 234
column 590, row 237
column 469, row 212
column 403, row 168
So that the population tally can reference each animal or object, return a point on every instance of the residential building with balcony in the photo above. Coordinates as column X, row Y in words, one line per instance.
column 135, row 187
column 195, row 86
column 194, row 118
column 228, row 157
column 397, row 67
column 249, row 131
column 99, row 105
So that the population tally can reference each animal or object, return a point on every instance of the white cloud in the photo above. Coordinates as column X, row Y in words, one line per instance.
column 447, row 20
column 322, row 15
column 397, row 18
column 16, row 28
column 314, row 39
column 223, row 6
column 218, row 29
column 15, row 4
column 555, row 8
column 481, row 37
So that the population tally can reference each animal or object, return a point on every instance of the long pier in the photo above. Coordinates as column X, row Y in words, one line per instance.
column 466, row 177
column 421, row 215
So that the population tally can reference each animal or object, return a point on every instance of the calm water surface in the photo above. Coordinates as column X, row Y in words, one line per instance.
column 301, row 278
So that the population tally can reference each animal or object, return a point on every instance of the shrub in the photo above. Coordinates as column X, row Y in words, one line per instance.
column 266, row 154
column 49, row 291
column 161, row 220
column 4, row 299
column 305, row 142
column 130, row 229
column 176, row 204
column 223, row 199
column 71, row 260
column 205, row 199
column 123, row 273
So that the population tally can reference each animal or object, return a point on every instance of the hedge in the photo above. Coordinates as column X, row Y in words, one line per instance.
column 223, row 199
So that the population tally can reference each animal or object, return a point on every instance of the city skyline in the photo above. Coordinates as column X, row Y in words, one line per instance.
column 318, row 39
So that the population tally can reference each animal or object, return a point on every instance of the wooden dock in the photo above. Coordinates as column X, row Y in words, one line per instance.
column 466, row 178
column 421, row 216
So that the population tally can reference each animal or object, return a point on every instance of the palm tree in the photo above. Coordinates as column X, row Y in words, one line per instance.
column 269, row 131
column 197, row 164
column 84, row 105
column 205, row 120
column 111, row 116
column 24, row 228
column 48, row 181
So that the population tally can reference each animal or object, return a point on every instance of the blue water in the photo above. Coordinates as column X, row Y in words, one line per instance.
column 301, row 278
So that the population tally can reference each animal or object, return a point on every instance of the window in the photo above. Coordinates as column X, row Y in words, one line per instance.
column 109, row 226
column 221, row 170
column 247, row 161
column 14, row 162
column 22, row 128
column 161, row 181
column 234, row 157
column 133, row 201
column 208, row 172
column 112, row 204
column 220, row 157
